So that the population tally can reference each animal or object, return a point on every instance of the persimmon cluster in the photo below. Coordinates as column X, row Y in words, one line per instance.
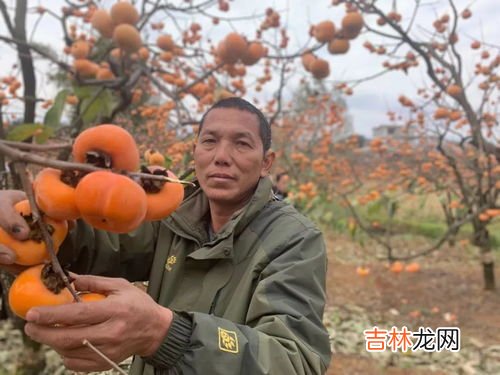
column 38, row 285
column 337, row 41
column 111, row 199
column 108, row 199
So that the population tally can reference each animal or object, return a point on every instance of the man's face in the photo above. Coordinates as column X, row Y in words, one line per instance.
column 229, row 157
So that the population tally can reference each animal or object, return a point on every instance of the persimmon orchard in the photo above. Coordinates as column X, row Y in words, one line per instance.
column 450, row 143
column 150, row 69
column 132, row 80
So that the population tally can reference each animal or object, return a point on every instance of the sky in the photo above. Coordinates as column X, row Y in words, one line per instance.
column 371, row 99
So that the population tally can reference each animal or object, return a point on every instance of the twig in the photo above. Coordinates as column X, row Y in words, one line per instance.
column 186, row 173
column 37, row 219
column 103, row 356
column 279, row 94
column 36, row 147
column 21, row 156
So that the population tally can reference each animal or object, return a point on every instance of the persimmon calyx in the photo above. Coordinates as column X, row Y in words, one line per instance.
column 153, row 185
column 71, row 177
column 99, row 159
column 52, row 280
column 35, row 233
column 157, row 173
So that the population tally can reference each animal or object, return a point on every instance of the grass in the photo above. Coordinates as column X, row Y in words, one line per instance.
column 419, row 216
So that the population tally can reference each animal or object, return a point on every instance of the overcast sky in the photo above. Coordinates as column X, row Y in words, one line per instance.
column 371, row 100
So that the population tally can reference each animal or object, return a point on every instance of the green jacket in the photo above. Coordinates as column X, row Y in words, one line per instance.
column 248, row 301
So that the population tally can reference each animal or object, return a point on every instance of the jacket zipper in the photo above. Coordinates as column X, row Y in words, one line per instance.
column 214, row 302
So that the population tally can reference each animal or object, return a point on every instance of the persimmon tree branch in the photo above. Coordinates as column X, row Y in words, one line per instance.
column 26, row 61
column 37, row 147
column 38, row 50
column 207, row 74
column 27, row 157
column 452, row 229
column 6, row 17
column 21, row 169
column 103, row 356
column 279, row 94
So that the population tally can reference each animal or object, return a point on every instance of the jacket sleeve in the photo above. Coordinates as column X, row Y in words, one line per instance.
column 283, row 332
column 91, row 251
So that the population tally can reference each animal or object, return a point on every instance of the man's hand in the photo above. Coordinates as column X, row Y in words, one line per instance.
column 128, row 322
column 12, row 223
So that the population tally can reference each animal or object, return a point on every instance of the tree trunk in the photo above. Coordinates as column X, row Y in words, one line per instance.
column 26, row 60
column 3, row 168
column 482, row 240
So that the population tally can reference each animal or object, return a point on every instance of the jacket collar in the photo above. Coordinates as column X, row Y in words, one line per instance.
column 190, row 220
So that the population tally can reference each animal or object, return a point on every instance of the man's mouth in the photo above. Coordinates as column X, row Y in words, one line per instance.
column 222, row 176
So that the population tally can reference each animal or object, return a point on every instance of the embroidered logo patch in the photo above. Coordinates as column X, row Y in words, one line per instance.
column 170, row 262
column 228, row 341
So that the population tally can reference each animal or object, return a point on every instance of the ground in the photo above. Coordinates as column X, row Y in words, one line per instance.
column 448, row 291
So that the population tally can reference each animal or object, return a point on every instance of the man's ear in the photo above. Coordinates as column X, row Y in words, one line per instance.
column 267, row 163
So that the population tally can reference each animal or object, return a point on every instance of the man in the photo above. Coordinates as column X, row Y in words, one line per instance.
column 281, row 187
column 236, row 278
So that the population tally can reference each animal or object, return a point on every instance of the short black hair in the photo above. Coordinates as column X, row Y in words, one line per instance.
column 243, row 105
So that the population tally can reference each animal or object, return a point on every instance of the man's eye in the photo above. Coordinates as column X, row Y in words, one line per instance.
column 208, row 140
column 242, row 143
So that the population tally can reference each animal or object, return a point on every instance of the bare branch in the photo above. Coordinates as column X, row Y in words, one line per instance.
column 28, row 157
column 37, row 218
column 5, row 14
column 38, row 50
column 36, row 147
column 279, row 94
column 103, row 356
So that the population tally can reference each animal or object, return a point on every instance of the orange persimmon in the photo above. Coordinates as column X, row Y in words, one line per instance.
column 362, row 271
column 124, row 13
column 396, row 267
column 101, row 21
column 163, row 198
column 113, row 144
column 111, row 201
column 153, row 157
column 33, row 250
column 37, row 286
column 412, row 267
column 54, row 196
column 338, row 46
column 91, row 297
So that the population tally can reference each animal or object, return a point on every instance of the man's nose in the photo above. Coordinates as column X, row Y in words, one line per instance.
column 222, row 154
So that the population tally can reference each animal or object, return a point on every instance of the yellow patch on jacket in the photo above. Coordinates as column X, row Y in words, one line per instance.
column 228, row 341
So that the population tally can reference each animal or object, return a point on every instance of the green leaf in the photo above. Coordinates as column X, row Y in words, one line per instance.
column 22, row 132
column 53, row 116
column 46, row 133
column 83, row 92
column 93, row 108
